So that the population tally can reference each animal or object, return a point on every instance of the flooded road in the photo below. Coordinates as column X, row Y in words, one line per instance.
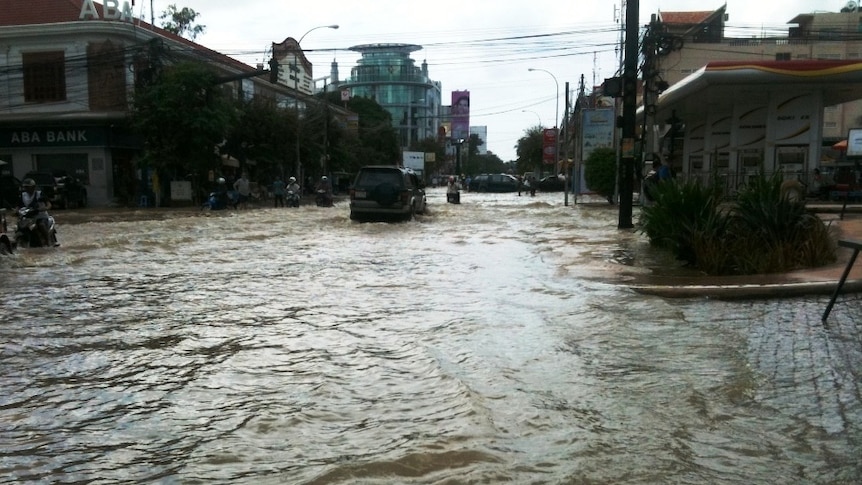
column 489, row 342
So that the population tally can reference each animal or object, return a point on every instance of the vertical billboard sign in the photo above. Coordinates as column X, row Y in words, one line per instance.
column 549, row 146
column 460, row 115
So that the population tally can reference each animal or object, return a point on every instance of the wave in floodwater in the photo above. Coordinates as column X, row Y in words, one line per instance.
column 487, row 342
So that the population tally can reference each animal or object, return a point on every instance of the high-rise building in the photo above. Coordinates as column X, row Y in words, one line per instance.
column 482, row 133
column 387, row 74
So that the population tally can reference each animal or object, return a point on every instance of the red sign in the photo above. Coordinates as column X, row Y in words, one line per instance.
column 549, row 146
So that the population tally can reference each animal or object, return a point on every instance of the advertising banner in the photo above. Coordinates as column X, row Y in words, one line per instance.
column 598, row 130
column 460, row 110
column 549, row 146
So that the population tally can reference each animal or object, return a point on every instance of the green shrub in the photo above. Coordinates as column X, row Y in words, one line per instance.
column 681, row 213
column 600, row 170
column 760, row 231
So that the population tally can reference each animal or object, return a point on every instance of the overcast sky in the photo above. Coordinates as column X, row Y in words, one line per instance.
column 484, row 46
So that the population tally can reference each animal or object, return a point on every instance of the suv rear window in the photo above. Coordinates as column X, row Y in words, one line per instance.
column 374, row 177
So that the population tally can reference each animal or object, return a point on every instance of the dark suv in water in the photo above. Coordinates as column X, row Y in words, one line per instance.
column 386, row 192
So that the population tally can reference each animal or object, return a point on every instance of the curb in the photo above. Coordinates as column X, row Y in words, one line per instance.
column 741, row 292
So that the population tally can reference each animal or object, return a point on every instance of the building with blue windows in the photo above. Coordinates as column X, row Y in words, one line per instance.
column 387, row 74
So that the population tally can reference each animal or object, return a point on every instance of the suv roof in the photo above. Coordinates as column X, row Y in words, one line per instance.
column 378, row 174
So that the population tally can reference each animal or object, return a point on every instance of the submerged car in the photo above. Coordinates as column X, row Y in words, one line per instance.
column 382, row 192
column 497, row 182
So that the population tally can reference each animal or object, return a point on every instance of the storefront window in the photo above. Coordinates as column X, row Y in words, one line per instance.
column 71, row 164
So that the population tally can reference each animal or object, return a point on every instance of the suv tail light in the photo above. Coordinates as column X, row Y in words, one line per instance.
column 352, row 194
column 405, row 196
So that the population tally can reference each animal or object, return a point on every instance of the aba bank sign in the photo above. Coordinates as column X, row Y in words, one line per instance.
column 46, row 137
column 112, row 11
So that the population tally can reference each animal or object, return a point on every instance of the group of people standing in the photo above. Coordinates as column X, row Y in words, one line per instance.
column 279, row 189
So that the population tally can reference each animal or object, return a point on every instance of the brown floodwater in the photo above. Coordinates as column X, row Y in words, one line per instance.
column 488, row 342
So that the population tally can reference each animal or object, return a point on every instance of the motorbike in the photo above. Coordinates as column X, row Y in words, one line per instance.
column 323, row 199
column 6, row 246
column 453, row 196
column 220, row 201
column 26, row 232
column 292, row 199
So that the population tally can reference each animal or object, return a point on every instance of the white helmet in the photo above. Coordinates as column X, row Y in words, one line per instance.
column 292, row 179
column 221, row 180
column 323, row 178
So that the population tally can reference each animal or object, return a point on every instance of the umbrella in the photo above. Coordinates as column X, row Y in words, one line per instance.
column 841, row 145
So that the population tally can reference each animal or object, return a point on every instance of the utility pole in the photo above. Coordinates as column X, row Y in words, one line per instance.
column 577, row 115
column 630, row 83
column 567, row 174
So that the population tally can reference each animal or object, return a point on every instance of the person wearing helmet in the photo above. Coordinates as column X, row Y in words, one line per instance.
column 324, row 192
column 453, row 191
column 293, row 186
column 33, row 198
column 293, row 192
column 220, row 194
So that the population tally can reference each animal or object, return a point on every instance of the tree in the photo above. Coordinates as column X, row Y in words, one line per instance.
column 488, row 163
column 529, row 150
column 182, row 116
column 432, row 145
column 375, row 141
column 182, row 22
column 262, row 132
column 600, row 170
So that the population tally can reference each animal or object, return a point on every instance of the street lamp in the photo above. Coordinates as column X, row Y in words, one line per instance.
column 556, row 117
column 537, row 115
column 295, row 70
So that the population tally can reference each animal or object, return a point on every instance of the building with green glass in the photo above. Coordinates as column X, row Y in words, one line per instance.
column 387, row 74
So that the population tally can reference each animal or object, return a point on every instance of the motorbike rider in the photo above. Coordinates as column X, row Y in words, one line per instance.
column 453, row 190
column 32, row 198
column 221, row 193
column 324, row 190
column 292, row 185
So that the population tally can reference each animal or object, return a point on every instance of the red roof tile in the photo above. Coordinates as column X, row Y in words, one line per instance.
column 34, row 12
column 685, row 18
column 38, row 12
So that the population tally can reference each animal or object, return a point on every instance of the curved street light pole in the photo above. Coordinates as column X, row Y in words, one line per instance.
column 537, row 115
column 296, row 90
column 333, row 26
column 556, row 119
